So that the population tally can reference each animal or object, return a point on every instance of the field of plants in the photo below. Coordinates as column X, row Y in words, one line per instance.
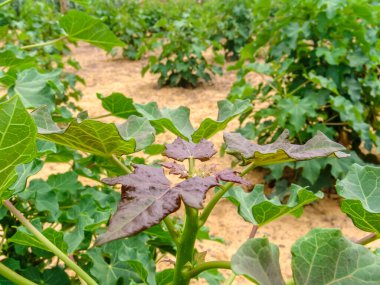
column 190, row 142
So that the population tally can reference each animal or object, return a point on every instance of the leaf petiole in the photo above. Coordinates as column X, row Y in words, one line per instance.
column 49, row 245
column 214, row 200
column 207, row 266
column 13, row 276
column 44, row 43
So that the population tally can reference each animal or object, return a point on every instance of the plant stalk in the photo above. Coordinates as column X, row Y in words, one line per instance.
column 49, row 245
column 185, row 248
column 5, row 3
column 207, row 266
column 186, row 244
column 13, row 276
column 214, row 200
column 44, row 43
column 368, row 239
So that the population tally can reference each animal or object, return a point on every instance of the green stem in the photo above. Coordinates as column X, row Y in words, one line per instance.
column 173, row 233
column 214, row 200
column 44, row 43
column 121, row 165
column 101, row 116
column 13, row 276
column 49, row 245
column 185, row 248
column 207, row 266
column 230, row 279
column 186, row 244
column 368, row 239
column 5, row 3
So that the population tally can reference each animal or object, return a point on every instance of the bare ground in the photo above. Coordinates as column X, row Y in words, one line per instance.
column 105, row 75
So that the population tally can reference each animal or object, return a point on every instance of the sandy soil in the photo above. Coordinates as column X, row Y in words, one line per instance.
column 105, row 75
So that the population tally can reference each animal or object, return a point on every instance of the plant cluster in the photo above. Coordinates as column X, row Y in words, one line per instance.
column 320, row 72
column 61, row 231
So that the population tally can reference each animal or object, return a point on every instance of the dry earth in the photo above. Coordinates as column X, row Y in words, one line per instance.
column 105, row 75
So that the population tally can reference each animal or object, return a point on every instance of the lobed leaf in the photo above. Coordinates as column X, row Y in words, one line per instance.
column 281, row 150
column 258, row 261
column 362, row 183
column 89, row 136
column 118, row 105
column 227, row 111
column 147, row 198
column 324, row 256
column 176, row 169
column 257, row 209
column 176, row 121
column 80, row 26
column 364, row 220
column 181, row 150
column 25, row 238
column 17, row 140
column 35, row 89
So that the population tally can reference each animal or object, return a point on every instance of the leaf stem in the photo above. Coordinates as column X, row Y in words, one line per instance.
column 101, row 116
column 173, row 233
column 44, row 43
column 49, row 245
column 121, row 165
column 368, row 239
column 230, row 279
column 5, row 3
column 214, row 200
column 207, row 266
column 13, row 276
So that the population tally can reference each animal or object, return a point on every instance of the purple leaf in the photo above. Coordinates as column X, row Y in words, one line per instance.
column 176, row 169
column 281, row 150
column 193, row 190
column 231, row 176
column 147, row 198
column 181, row 150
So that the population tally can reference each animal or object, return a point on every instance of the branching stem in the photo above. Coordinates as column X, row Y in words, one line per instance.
column 207, row 266
column 49, row 245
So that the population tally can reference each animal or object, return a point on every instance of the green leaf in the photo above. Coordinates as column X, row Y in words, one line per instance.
column 88, row 136
column 17, row 140
column 165, row 277
column 258, row 261
column 324, row 256
column 118, row 105
column 364, row 220
column 281, row 150
column 23, row 237
column 35, row 89
column 257, row 209
column 24, row 171
column 3, row 31
column 362, row 183
column 227, row 111
column 10, row 60
column 127, row 260
column 80, row 26
column 139, row 129
column 176, row 121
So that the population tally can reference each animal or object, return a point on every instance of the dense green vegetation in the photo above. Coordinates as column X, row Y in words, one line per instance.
column 319, row 63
